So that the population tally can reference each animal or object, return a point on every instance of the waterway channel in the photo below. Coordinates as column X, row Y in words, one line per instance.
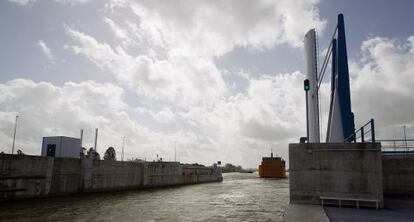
column 240, row 197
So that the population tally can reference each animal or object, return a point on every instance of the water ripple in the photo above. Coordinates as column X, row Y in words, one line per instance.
column 240, row 197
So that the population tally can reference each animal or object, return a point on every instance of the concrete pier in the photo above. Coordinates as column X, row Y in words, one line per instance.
column 302, row 213
column 343, row 170
column 398, row 173
column 23, row 177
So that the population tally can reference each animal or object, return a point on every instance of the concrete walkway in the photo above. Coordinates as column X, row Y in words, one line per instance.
column 397, row 208
column 308, row 213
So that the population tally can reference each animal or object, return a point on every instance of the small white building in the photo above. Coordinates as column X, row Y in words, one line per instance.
column 61, row 146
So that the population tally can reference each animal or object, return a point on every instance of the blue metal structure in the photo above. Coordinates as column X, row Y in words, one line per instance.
column 343, row 81
column 341, row 126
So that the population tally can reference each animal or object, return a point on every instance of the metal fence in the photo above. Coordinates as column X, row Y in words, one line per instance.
column 387, row 146
column 397, row 145
column 368, row 129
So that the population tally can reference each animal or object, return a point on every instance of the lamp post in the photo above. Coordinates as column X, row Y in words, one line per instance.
column 123, row 145
column 14, row 134
column 306, row 88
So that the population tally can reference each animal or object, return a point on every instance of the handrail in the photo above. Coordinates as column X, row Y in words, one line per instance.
column 398, row 145
column 353, row 137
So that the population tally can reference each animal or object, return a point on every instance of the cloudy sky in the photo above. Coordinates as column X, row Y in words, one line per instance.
column 220, row 79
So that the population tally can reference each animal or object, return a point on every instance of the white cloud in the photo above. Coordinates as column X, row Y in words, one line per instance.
column 45, row 49
column 49, row 110
column 168, row 56
column 177, row 48
column 165, row 52
column 164, row 116
column 214, row 28
column 70, row 2
column 239, row 129
column 120, row 33
column 46, row 109
column 73, row 2
column 246, row 125
column 181, row 80
column 382, row 85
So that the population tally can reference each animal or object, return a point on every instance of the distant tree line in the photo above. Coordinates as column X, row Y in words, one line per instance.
column 228, row 168
column 109, row 154
column 18, row 152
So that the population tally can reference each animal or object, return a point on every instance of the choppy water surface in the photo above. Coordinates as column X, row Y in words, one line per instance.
column 240, row 197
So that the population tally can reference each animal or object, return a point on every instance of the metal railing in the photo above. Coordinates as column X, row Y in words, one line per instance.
column 362, row 132
column 387, row 146
column 397, row 145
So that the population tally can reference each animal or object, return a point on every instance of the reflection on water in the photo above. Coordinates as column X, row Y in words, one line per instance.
column 240, row 197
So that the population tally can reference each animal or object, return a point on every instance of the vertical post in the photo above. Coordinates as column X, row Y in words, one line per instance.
column 362, row 135
column 123, row 145
column 96, row 139
column 14, row 134
column 395, row 148
column 306, row 87
column 311, row 71
column 81, row 139
column 405, row 140
column 175, row 151
column 372, row 131
column 307, row 117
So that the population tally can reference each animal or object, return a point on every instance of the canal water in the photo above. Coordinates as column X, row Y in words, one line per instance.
column 240, row 197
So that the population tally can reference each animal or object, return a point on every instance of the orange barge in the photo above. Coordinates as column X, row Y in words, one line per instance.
column 272, row 167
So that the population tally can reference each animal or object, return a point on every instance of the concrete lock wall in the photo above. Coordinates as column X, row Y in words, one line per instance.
column 22, row 176
column 350, row 170
column 34, row 176
column 65, row 177
column 163, row 174
column 398, row 173
column 100, row 175
column 196, row 174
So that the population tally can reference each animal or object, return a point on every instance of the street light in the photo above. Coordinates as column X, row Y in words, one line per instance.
column 14, row 135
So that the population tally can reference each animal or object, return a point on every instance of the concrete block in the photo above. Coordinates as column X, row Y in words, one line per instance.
column 339, row 170
column 398, row 173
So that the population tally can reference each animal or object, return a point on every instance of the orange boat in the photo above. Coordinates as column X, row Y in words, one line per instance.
column 272, row 167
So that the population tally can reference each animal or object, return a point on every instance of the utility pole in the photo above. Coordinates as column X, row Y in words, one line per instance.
column 14, row 134
column 81, row 140
column 123, row 145
column 96, row 139
column 175, row 151
column 306, row 88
